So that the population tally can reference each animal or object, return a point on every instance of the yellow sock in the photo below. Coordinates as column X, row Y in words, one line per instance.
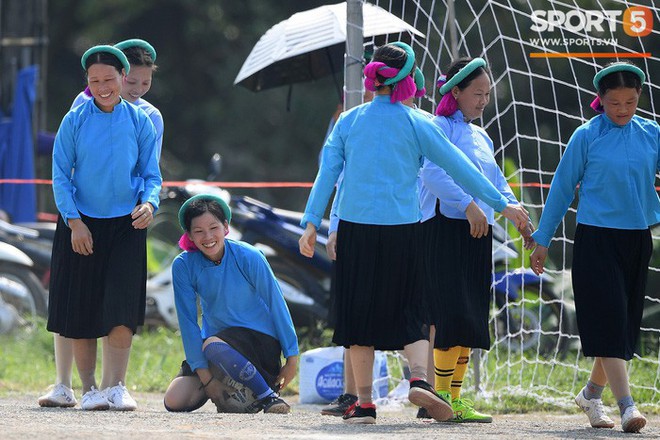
column 445, row 363
column 459, row 372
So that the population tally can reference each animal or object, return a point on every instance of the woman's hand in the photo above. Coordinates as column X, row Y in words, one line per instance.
column 142, row 215
column 477, row 219
column 81, row 239
column 331, row 245
column 517, row 214
column 287, row 373
column 209, row 384
column 537, row 259
column 526, row 232
column 308, row 240
column 214, row 390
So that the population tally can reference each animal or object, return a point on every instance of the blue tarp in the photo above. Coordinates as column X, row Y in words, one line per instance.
column 17, row 150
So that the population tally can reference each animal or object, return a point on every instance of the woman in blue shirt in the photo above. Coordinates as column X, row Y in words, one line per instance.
column 380, row 146
column 614, row 158
column 458, row 235
column 141, row 56
column 106, row 183
column 246, row 325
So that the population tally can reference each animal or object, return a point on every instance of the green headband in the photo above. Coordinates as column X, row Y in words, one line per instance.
column 108, row 49
column 462, row 74
column 186, row 205
column 419, row 79
column 619, row 67
column 136, row 42
column 407, row 67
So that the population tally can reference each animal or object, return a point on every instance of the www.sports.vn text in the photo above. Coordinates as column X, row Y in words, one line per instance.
column 546, row 42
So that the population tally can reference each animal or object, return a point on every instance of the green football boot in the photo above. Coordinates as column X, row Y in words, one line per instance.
column 464, row 412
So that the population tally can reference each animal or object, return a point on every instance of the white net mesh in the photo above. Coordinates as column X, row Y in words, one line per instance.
column 536, row 104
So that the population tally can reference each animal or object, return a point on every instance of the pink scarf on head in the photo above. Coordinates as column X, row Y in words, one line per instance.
column 597, row 105
column 186, row 244
column 448, row 104
column 401, row 91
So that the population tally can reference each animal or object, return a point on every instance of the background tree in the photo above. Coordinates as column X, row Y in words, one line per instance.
column 201, row 46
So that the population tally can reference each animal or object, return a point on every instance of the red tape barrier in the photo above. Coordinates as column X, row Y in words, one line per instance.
column 184, row 183
column 249, row 184
column 236, row 184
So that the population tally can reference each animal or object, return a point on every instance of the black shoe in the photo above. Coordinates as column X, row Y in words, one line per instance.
column 422, row 413
column 270, row 405
column 422, row 394
column 340, row 405
column 361, row 415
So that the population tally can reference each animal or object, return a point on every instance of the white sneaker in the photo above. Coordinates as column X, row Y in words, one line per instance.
column 119, row 399
column 94, row 400
column 60, row 396
column 595, row 410
column 632, row 420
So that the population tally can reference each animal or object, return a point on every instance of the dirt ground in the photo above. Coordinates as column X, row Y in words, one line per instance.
column 21, row 418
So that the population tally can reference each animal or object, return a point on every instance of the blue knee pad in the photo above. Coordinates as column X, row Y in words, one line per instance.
column 237, row 367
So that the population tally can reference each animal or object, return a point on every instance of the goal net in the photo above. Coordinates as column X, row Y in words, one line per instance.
column 539, row 98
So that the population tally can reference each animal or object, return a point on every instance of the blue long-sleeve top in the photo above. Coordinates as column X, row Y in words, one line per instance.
column 437, row 184
column 151, row 111
column 334, row 218
column 380, row 146
column 239, row 292
column 615, row 166
column 105, row 163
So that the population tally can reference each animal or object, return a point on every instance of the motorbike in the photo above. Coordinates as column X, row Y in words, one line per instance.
column 305, row 282
column 528, row 314
column 160, row 309
column 36, row 241
column 20, row 289
column 10, row 316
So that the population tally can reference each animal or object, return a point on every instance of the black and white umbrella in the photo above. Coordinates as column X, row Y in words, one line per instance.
column 310, row 45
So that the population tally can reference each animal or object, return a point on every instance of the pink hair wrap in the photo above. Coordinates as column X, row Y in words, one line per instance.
column 186, row 244
column 401, row 91
column 374, row 68
column 448, row 104
column 597, row 105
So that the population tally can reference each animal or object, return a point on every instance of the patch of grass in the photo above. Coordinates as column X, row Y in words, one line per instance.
column 510, row 382
column 524, row 383
column 28, row 362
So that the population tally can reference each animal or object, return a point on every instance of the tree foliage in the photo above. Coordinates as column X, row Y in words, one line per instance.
column 201, row 46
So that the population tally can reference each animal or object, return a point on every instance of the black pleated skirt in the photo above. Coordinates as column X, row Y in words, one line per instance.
column 457, row 282
column 609, row 280
column 377, row 285
column 90, row 295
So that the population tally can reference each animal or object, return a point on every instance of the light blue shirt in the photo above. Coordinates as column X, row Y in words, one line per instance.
column 105, row 163
column 380, row 147
column 437, row 184
column 334, row 218
column 151, row 111
column 239, row 292
column 615, row 167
